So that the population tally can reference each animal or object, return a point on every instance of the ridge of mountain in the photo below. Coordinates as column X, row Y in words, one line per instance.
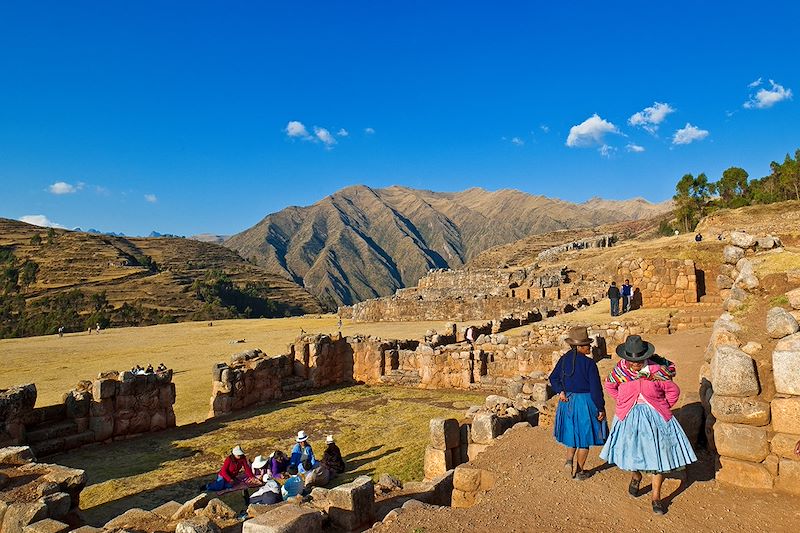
column 362, row 242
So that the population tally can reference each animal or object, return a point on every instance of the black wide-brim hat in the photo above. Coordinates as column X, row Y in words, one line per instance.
column 635, row 349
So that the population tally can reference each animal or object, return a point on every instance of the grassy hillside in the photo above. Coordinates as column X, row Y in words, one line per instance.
column 56, row 277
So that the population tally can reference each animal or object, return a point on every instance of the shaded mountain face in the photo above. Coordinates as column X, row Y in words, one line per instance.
column 362, row 243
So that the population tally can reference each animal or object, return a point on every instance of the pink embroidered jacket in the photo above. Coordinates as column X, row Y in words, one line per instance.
column 662, row 395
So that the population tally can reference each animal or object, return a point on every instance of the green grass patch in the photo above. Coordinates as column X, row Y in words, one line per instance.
column 779, row 301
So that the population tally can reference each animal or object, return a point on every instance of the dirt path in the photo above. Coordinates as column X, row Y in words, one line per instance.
column 534, row 494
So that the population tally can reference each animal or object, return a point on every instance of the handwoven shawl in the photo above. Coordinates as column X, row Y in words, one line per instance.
column 656, row 368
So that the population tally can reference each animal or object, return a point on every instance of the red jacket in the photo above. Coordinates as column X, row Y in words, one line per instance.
column 231, row 467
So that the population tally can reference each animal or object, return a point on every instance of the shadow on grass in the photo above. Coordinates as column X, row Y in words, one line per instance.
column 140, row 455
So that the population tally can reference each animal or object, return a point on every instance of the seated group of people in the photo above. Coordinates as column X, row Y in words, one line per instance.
column 278, row 477
column 140, row 371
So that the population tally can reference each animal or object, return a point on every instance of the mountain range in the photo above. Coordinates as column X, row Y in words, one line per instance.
column 362, row 243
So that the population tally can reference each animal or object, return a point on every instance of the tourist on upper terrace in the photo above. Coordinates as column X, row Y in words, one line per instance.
column 613, row 295
column 302, row 451
column 294, row 485
column 470, row 335
column 278, row 463
column 234, row 463
column 645, row 437
column 332, row 457
column 627, row 292
column 580, row 416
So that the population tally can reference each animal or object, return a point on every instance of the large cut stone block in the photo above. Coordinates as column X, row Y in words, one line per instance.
column 352, row 505
column 286, row 519
column 437, row 462
column 48, row 525
column 780, row 323
column 786, row 415
column 743, row 240
column 744, row 474
column 18, row 515
column 783, row 444
column 785, row 365
column 733, row 373
column 466, row 478
column 444, row 433
column 104, row 388
column 741, row 442
column 16, row 455
column 485, row 427
column 750, row 411
column 732, row 254
column 788, row 476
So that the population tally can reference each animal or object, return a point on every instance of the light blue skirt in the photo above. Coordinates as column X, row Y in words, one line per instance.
column 645, row 442
column 576, row 424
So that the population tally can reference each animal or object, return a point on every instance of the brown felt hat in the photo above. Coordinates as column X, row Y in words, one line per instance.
column 578, row 336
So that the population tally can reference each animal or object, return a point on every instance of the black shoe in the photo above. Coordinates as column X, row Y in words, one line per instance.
column 633, row 487
column 659, row 507
column 583, row 475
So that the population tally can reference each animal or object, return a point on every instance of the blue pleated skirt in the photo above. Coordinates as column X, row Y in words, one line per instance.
column 645, row 442
column 576, row 423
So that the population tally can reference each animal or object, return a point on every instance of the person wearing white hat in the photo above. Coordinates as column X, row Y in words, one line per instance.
column 259, row 466
column 332, row 458
column 234, row 463
column 302, row 451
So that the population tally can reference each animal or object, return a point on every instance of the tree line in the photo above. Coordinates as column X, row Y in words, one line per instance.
column 696, row 196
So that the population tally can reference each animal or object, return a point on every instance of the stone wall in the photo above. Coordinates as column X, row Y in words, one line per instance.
column 600, row 241
column 660, row 282
column 112, row 406
column 751, row 391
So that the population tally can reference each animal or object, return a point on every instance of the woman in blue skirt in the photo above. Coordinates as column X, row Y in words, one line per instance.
column 580, row 417
column 645, row 437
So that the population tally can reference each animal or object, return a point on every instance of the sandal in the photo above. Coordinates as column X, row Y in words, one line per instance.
column 633, row 487
column 659, row 507
column 583, row 475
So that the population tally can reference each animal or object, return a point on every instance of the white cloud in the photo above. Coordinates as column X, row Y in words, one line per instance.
column 756, row 83
column 342, row 132
column 40, row 220
column 689, row 134
column 545, row 128
column 295, row 128
column 517, row 141
column 62, row 187
column 631, row 147
column 650, row 117
column 589, row 132
column 369, row 131
column 764, row 98
column 324, row 136
column 606, row 150
column 151, row 198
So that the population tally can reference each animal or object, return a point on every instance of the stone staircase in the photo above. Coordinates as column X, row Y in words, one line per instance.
column 699, row 315
column 48, row 430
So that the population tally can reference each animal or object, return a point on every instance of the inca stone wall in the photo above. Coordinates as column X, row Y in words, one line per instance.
column 750, row 391
column 112, row 406
column 482, row 294
column 601, row 241
column 660, row 282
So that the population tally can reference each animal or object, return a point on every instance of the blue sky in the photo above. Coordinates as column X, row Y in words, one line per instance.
column 191, row 117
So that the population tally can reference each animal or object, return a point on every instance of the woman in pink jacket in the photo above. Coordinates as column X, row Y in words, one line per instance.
column 645, row 436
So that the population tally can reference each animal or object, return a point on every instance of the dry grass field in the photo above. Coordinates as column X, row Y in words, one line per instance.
column 190, row 348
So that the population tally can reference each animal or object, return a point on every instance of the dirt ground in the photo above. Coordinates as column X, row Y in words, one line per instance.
column 534, row 494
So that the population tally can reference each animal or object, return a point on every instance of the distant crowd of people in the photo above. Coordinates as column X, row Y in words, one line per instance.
column 139, row 370
column 278, row 477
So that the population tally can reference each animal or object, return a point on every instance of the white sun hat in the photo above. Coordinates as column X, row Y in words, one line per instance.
column 301, row 436
column 259, row 462
column 238, row 451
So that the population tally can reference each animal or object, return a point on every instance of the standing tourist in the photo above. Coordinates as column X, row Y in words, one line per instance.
column 645, row 437
column 470, row 336
column 613, row 295
column 580, row 417
column 626, row 296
